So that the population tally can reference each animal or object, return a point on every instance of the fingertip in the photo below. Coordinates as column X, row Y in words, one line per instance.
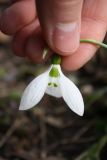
column 61, row 23
column 90, row 29
column 17, row 48
column 34, row 48
column 79, row 58
column 21, row 37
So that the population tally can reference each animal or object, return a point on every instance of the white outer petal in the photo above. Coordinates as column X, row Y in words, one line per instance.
column 34, row 92
column 71, row 95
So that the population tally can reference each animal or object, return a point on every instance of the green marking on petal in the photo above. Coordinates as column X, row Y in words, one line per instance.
column 55, row 85
column 50, row 84
column 54, row 72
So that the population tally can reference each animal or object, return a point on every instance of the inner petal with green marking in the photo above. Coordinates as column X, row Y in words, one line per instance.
column 53, row 87
column 50, row 84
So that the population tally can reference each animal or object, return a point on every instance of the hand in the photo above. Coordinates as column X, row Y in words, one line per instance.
column 63, row 23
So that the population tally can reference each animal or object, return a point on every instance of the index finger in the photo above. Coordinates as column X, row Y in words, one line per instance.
column 18, row 15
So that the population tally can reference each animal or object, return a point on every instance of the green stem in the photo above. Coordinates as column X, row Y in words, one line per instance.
column 94, row 42
column 57, row 59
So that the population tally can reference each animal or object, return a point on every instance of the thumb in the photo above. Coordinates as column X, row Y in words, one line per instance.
column 61, row 21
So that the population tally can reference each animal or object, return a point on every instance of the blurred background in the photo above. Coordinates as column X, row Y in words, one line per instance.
column 51, row 131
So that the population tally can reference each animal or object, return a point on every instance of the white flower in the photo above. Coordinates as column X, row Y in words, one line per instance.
column 54, row 83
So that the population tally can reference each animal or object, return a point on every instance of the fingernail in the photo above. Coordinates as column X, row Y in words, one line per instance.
column 66, row 37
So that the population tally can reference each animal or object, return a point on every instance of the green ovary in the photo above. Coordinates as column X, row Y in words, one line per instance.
column 54, row 72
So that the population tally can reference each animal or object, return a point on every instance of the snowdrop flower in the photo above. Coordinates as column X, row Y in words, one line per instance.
column 54, row 83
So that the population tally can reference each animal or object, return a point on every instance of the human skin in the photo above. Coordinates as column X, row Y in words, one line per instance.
column 61, row 24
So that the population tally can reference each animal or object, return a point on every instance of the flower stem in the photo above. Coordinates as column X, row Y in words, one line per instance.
column 93, row 42
column 56, row 59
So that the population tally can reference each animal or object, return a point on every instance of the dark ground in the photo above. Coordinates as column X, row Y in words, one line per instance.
column 51, row 131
